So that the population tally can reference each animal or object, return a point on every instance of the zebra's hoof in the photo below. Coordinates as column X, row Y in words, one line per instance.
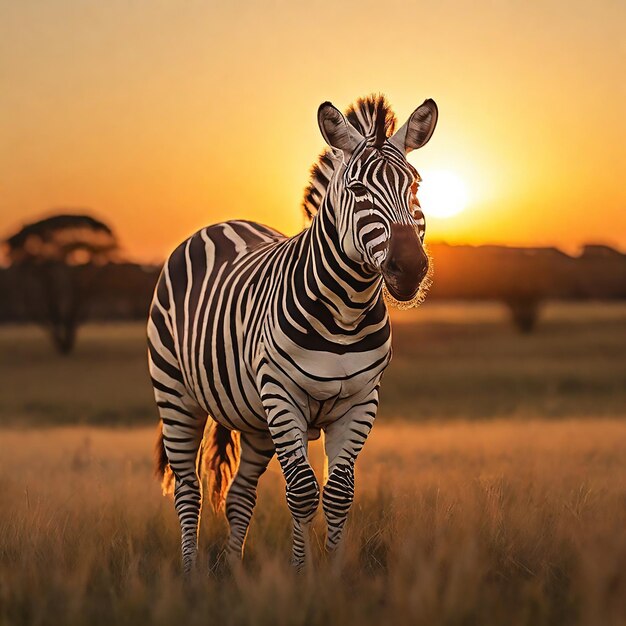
column 221, row 567
column 298, row 565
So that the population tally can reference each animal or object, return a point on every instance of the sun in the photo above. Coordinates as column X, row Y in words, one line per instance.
column 442, row 193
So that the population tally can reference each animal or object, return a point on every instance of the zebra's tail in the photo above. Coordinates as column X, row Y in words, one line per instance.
column 162, row 468
column 219, row 461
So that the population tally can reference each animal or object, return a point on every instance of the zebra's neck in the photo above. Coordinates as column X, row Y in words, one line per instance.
column 344, row 289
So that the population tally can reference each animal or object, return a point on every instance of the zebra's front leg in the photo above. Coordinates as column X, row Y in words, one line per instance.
column 285, row 405
column 303, row 496
column 343, row 441
column 288, row 428
column 256, row 452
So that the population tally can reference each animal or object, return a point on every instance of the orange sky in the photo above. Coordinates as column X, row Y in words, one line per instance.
column 161, row 117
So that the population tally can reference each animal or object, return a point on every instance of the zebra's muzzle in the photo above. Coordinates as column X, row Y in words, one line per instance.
column 406, row 264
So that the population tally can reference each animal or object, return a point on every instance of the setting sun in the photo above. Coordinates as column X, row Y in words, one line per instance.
column 442, row 193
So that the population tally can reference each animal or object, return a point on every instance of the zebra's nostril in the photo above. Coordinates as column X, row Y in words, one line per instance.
column 393, row 266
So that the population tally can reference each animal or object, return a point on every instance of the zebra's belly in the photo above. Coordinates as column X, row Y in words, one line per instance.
column 242, row 420
column 232, row 400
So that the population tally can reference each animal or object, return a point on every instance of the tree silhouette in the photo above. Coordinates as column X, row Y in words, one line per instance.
column 60, row 258
column 524, row 310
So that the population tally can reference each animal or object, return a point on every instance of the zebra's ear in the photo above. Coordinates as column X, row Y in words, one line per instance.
column 336, row 130
column 418, row 129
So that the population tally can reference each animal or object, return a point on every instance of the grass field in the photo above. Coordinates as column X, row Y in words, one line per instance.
column 492, row 490
column 460, row 361
column 500, row 522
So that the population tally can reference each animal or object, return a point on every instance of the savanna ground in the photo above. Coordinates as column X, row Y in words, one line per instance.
column 492, row 489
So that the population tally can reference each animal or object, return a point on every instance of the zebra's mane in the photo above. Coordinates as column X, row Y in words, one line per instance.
column 373, row 118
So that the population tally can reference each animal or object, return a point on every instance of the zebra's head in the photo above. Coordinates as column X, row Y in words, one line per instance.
column 374, row 195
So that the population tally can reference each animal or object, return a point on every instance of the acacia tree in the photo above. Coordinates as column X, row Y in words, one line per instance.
column 59, row 259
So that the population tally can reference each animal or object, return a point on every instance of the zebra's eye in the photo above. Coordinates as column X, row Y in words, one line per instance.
column 358, row 188
column 360, row 191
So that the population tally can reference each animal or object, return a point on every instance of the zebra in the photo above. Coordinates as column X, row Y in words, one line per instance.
column 257, row 342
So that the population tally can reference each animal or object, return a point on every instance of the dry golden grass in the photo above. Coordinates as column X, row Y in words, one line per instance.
column 510, row 521
column 500, row 522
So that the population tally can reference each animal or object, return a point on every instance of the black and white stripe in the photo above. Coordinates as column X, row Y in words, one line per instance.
column 278, row 338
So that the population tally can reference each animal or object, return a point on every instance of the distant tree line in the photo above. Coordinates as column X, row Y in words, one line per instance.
column 524, row 278
column 66, row 269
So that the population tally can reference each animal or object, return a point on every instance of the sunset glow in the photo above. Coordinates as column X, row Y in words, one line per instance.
column 160, row 118
column 442, row 193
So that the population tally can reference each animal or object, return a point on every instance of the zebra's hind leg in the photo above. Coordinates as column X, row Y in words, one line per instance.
column 256, row 452
column 183, row 429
